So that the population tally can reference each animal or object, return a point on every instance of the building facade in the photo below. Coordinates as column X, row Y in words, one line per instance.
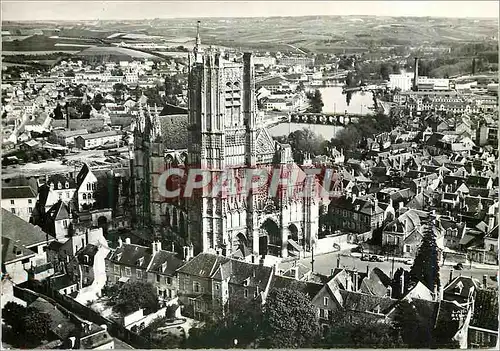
column 226, row 140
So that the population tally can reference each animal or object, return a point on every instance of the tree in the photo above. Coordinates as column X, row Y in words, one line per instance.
column 36, row 325
column 415, row 328
column 306, row 141
column 425, row 268
column 385, row 70
column 29, row 326
column 242, row 322
column 133, row 296
column 360, row 332
column 289, row 320
column 315, row 102
column 12, row 314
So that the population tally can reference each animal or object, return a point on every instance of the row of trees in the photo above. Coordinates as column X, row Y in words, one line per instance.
column 289, row 320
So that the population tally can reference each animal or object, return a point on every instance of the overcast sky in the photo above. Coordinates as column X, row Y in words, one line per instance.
column 105, row 10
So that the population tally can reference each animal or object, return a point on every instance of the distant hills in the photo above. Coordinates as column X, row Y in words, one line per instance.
column 311, row 33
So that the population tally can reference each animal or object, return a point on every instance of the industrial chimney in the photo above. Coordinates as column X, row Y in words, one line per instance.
column 415, row 75
column 473, row 66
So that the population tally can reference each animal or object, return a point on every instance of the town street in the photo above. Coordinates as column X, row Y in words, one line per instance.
column 325, row 262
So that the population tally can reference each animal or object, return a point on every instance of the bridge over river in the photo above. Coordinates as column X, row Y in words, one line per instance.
column 337, row 119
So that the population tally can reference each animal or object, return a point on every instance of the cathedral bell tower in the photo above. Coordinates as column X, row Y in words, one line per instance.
column 222, row 133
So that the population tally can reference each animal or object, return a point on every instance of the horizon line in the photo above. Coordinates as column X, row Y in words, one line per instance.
column 239, row 17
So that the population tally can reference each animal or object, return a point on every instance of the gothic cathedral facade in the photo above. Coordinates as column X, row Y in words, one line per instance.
column 225, row 136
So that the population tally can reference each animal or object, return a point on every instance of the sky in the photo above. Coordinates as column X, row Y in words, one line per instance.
column 135, row 10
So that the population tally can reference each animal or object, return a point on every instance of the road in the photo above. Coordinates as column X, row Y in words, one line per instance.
column 121, row 345
column 324, row 263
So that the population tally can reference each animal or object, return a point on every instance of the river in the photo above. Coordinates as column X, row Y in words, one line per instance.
column 334, row 101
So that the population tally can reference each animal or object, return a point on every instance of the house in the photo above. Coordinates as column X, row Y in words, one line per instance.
column 67, row 137
column 63, row 284
column 90, row 141
column 149, row 264
column 86, row 185
column 211, row 281
column 353, row 214
column 403, row 236
column 58, row 220
column 54, row 188
column 81, row 267
column 23, row 246
column 483, row 328
column 461, row 289
column 453, row 233
column 19, row 200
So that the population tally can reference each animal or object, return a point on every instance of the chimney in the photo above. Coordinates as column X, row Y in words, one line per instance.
column 473, row 66
column 127, row 241
column 485, row 280
column 402, row 283
column 355, row 281
column 72, row 341
column 120, row 242
column 415, row 75
column 156, row 247
column 451, row 275
column 389, row 291
column 173, row 247
column 367, row 269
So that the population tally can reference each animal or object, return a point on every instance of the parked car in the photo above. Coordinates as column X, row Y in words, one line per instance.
column 458, row 266
column 365, row 258
column 409, row 262
column 375, row 258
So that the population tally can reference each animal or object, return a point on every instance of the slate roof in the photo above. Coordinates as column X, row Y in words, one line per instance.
column 171, row 260
column 60, row 178
column 241, row 271
column 376, row 283
column 20, row 231
column 365, row 206
column 60, row 211
column 130, row 254
column 485, row 309
column 451, row 291
column 99, row 135
column 60, row 325
column 18, row 192
column 476, row 181
column 61, row 281
column 169, row 109
column 360, row 302
column 308, row 288
column 89, row 250
column 11, row 251
column 202, row 265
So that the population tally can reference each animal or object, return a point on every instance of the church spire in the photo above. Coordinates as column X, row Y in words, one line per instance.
column 198, row 39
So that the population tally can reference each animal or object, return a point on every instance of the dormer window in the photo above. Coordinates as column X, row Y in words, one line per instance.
column 163, row 266
column 119, row 256
column 246, row 282
column 59, row 186
column 66, row 185
column 140, row 261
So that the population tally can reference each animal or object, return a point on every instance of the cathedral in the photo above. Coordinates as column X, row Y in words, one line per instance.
column 225, row 135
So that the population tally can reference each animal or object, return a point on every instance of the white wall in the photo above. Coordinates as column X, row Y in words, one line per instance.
column 90, row 180
column 22, row 207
